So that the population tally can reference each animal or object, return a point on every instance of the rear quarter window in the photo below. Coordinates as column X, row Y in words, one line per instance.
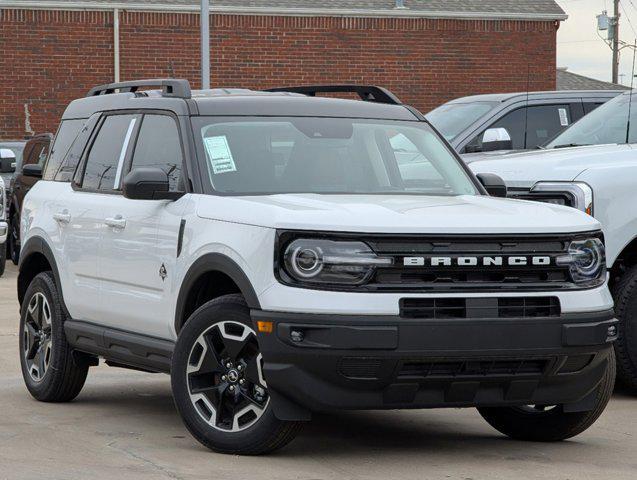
column 66, row 133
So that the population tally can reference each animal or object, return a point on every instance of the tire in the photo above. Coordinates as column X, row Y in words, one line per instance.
column 3, row 258
column 553, row 424
column 219, row 334
column 13, row 246
column 62, row 378
column 625, row 296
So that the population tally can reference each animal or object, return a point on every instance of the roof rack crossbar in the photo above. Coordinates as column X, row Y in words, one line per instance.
column 368, row 93
column 171, row 87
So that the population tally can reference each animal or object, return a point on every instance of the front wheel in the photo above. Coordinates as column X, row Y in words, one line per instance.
column 542, row 423
column 218, row 385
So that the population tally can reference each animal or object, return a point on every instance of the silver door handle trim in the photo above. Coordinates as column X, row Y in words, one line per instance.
column 115, row 222
column 62, row 217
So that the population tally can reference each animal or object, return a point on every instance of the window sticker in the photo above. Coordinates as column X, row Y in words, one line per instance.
column 563, row 117
column 220, row 155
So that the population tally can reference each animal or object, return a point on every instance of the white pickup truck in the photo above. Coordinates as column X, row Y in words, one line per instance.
column 591, row 166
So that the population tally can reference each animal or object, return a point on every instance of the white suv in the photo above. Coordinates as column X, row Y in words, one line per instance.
column 279, row 253
column 591, row 166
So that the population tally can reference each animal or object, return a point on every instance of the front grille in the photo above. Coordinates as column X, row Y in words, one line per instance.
column 456, row 276
column 473, row 368
column 360, row 367
column 490, row 307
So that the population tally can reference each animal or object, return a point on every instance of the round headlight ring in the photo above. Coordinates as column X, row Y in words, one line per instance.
column 306, row 262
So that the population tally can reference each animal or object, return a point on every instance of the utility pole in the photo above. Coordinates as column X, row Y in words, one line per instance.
column 205, row 44
column 615, row 46
column 611, row 26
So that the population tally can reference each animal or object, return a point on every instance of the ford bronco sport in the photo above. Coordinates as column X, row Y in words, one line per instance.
column 280, row 253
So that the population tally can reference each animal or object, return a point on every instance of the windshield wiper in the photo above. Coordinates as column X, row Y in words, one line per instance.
column 568, row 145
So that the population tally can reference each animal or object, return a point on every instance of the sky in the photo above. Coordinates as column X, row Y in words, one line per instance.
column 579, row 46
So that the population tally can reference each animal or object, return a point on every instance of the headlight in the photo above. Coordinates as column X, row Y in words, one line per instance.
column 586, row 260
column 320, row 261
column 572, row 194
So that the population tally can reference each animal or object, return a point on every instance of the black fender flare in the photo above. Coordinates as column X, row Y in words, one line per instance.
column 214, row 262
column 37, row 245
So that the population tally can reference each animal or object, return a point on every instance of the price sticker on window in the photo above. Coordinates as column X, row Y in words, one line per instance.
column 219, row 154
column 563, row 117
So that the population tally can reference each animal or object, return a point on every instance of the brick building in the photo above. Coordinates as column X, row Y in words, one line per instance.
column 428, row 52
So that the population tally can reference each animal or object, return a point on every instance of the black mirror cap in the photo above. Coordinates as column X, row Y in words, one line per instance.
column 145, row 183
column 493, row 184
column 32, row 170
column 7, row 165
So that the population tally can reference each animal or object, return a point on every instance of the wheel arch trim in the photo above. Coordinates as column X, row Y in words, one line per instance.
column 213, row 262
column 37, row 245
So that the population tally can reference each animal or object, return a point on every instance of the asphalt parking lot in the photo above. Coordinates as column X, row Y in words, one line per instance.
column 124, row 426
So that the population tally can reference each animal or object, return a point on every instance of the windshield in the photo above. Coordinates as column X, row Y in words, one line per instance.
column 327, row 155
column 452, row 118
column 606, row 124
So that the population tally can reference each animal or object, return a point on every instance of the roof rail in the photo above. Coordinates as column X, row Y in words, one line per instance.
column 171, row 87
column 368, row 93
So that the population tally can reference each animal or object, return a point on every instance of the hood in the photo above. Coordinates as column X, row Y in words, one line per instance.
column 523, row 169
column 395, row 214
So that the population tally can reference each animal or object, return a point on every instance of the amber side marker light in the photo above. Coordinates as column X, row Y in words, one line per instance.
column 265, row 327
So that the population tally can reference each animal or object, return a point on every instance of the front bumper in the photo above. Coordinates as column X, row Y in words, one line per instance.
column 386, row 362
column 4, row 231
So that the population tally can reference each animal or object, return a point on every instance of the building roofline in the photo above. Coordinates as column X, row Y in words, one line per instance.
column 280, row 11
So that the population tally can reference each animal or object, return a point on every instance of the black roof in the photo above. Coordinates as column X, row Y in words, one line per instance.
column 239, row 102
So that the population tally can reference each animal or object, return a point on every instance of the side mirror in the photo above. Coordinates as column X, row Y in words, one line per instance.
column 148, row 184
column 493, row 184
column 496, row 139
column 32, row 170
column 7, row 161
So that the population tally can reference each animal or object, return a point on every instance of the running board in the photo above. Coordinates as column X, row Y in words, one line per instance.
column 120, row 347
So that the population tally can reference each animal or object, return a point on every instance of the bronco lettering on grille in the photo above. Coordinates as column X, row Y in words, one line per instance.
column 474, row 261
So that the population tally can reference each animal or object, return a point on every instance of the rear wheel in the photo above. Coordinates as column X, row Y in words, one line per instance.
column 218, row 383
column 49, row 369
column 544, row 423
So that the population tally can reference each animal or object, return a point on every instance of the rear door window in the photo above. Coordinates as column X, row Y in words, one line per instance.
column 105, row 160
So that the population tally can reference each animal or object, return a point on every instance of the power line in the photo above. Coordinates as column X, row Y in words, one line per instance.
column 627, row 17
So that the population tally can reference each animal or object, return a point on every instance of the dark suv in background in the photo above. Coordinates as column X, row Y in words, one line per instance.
column 32, row 159
column 512, row 121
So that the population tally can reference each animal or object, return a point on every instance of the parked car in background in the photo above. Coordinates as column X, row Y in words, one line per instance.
column 35, row 153
column 592, row 166
column 512, row 121
column 4, row 228
column 17, row 147
column 7, row 164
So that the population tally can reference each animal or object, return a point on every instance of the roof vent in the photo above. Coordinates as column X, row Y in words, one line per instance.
column 400, row 4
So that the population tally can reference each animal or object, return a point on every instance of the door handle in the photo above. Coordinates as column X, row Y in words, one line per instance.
column 118, row 222
column 62, row 217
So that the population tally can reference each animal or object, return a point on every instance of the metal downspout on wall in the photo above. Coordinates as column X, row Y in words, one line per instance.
column 116, row 44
